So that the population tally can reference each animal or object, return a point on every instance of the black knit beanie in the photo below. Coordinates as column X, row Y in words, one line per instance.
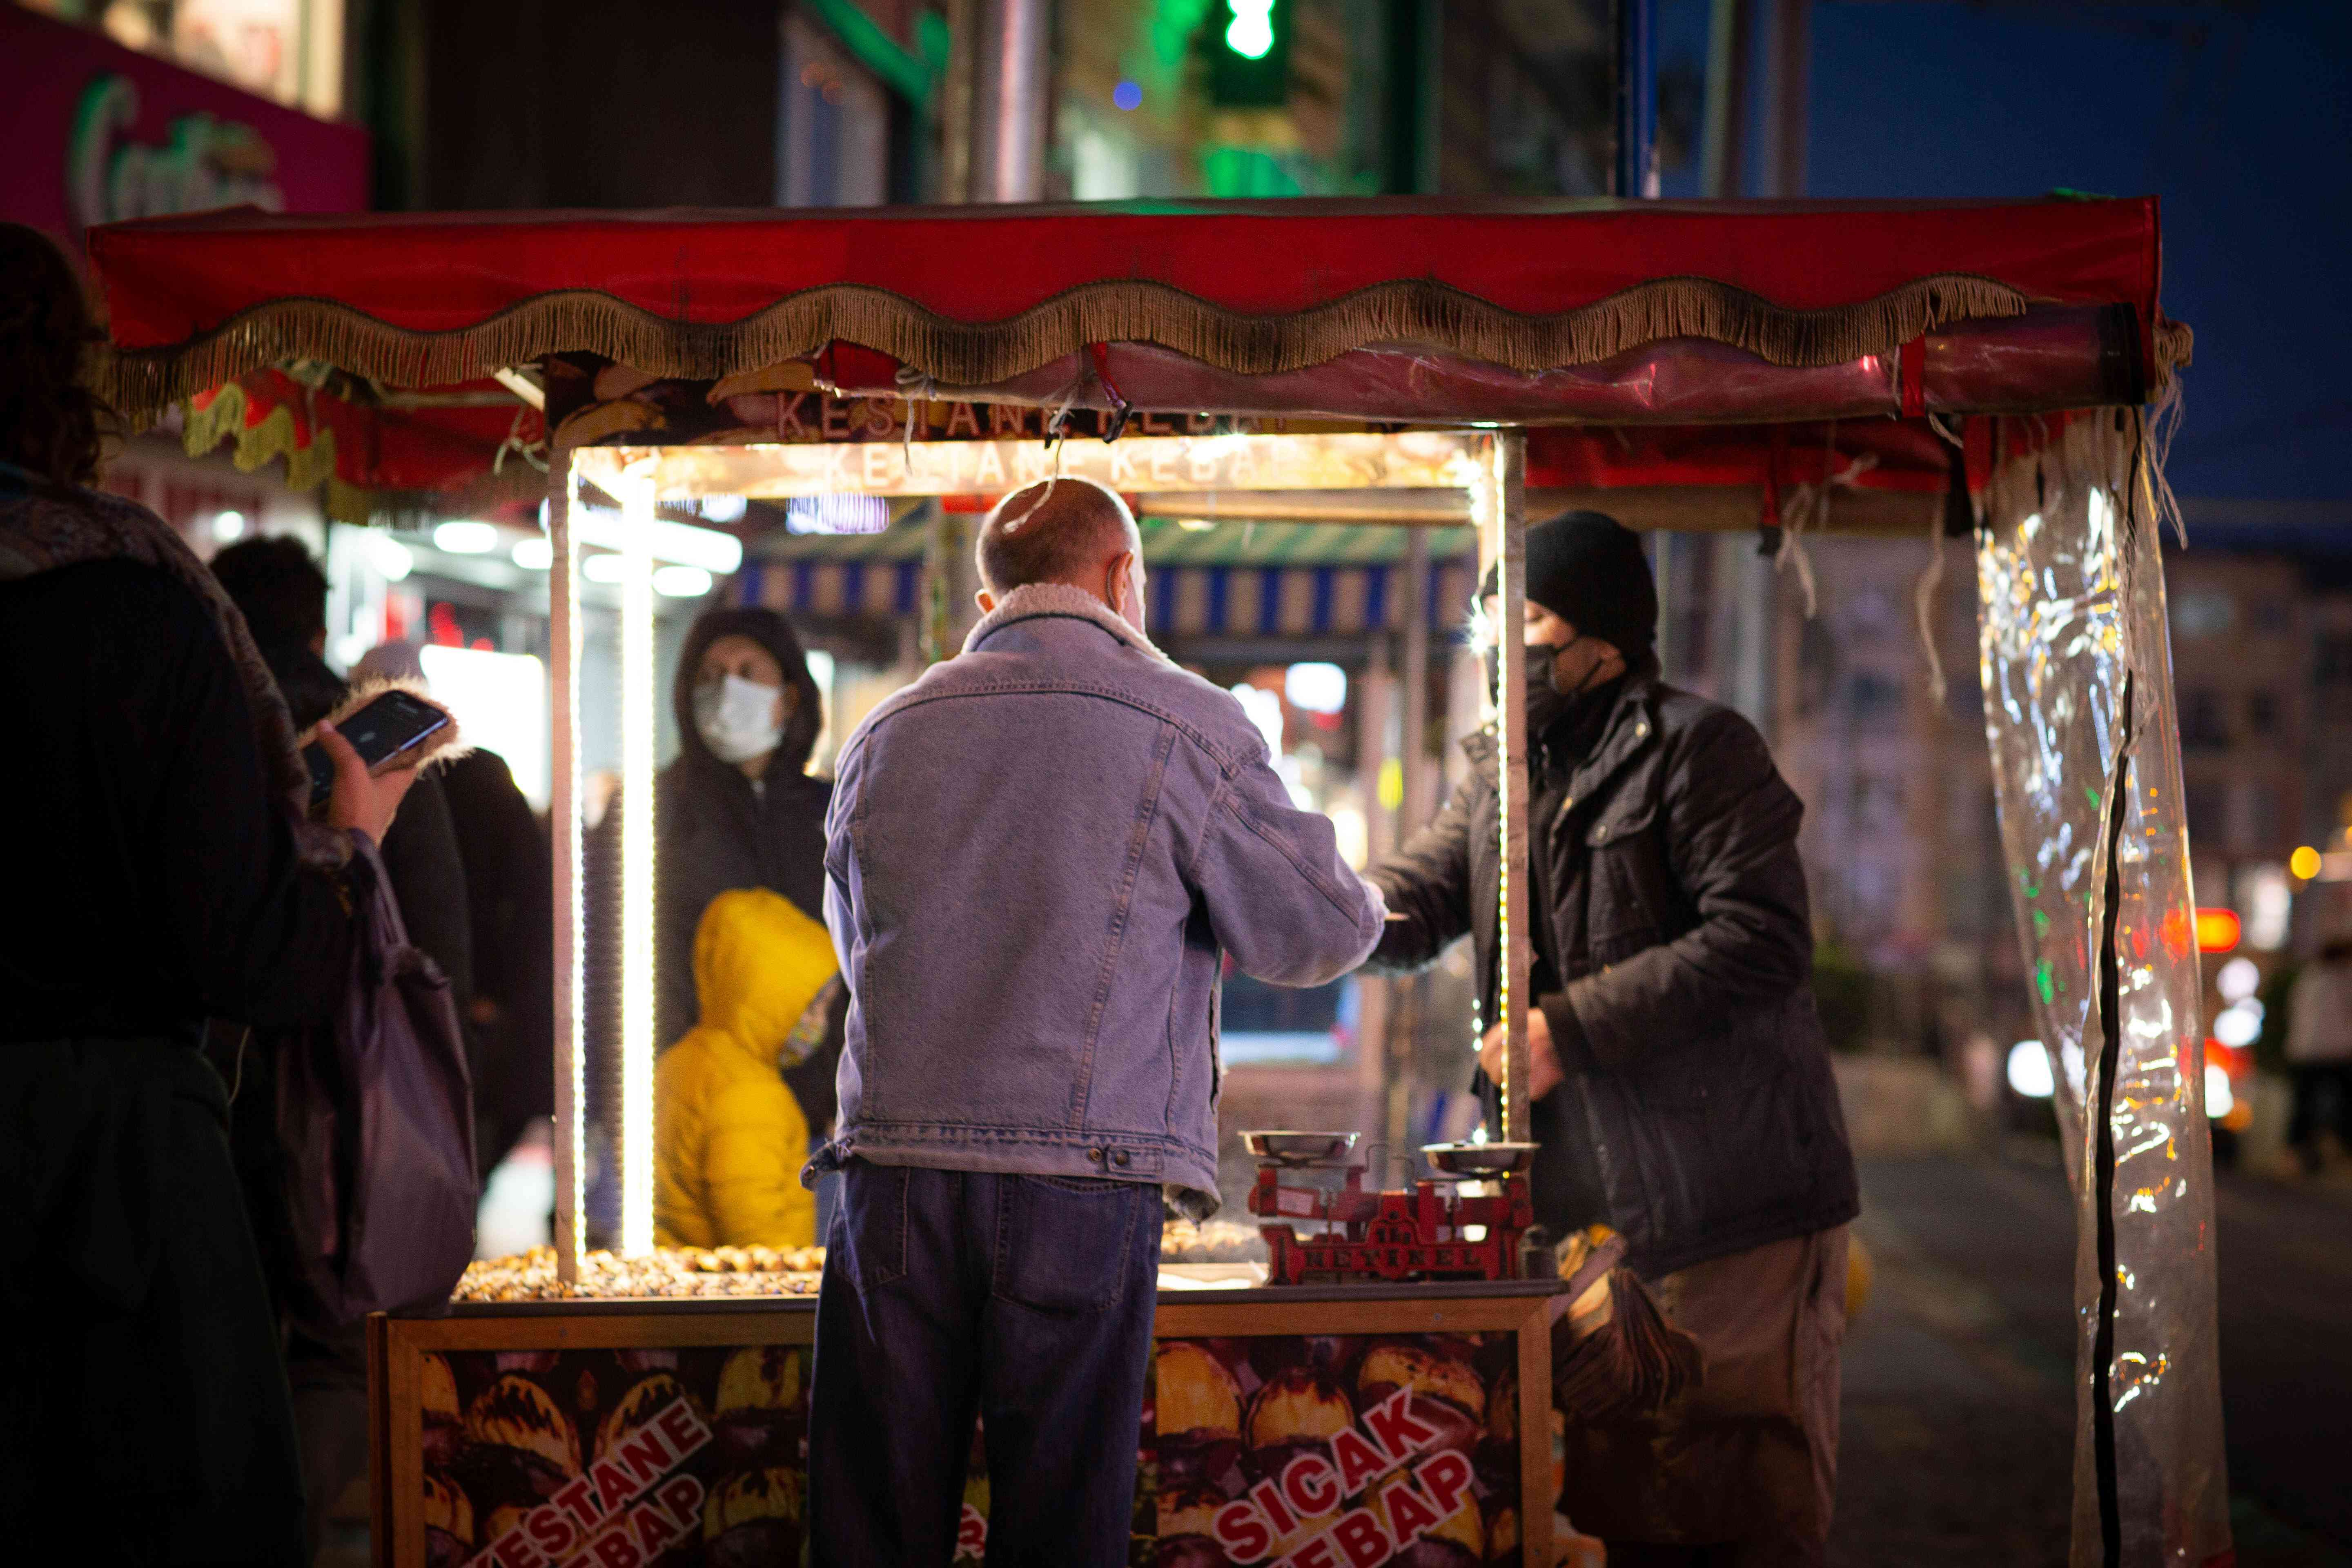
column 1589, row 569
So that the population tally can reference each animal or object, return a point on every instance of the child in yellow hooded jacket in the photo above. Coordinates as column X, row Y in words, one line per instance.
column 729, row 1136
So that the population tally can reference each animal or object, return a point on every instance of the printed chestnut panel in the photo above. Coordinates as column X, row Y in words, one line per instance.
column 1332, row 1452
column 1286, row 1451
column 619, row 1458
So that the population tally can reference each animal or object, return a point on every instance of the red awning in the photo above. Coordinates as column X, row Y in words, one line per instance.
column 974, row 297
column 458, row 448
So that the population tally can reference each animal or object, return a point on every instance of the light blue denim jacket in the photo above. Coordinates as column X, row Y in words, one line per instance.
column 1036, row 859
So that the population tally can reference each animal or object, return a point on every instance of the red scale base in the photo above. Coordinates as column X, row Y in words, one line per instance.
column 1388, row 1236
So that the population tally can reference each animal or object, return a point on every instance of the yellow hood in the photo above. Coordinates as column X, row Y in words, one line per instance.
column 758, row 965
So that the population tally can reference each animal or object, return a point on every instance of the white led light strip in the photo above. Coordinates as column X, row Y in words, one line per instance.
column 563, row 630
column 635, row 1152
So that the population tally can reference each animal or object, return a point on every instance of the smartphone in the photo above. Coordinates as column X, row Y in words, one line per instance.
column 392, row 723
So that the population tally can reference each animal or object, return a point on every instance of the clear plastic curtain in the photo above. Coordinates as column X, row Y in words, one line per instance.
column 2080, row 716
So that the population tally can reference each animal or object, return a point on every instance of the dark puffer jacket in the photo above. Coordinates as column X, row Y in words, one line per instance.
column 1697, row 1080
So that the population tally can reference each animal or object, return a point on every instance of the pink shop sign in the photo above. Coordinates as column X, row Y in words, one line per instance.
column 96, row 133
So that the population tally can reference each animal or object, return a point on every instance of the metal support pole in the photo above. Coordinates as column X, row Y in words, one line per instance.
column 1746, row 590
column 1413, row 59
column 563, row 815
column 633, row 1136
column 958, row 89
column 1410, row 995
column 952, row 577
column 1662, row 573
column 1789, row 54
column 1730, row 47
column 1635, row 173
column 1008, row 141
column 1503, row 513
column 1375, row 700
column 1414, row 747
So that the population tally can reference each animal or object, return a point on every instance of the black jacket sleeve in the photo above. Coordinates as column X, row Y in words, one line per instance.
column 266, row 940
column 1729, row 830
column 428, row 882
column 508, row 901
column 1427, row 886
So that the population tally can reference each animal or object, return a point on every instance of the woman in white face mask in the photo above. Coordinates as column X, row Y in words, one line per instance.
column 741, row 703
column 736, row 809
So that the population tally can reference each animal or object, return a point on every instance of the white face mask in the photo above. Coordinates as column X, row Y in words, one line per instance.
column 739, row 718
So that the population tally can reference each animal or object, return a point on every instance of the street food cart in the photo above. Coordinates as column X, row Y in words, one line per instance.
column 1994, row 369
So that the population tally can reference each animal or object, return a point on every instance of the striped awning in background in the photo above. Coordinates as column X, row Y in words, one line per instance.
column 805, row 588
column 1298, row 601
column 1188, row 601
column 1233, row 580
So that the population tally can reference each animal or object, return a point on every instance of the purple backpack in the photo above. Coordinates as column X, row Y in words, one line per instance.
column 376, row 1119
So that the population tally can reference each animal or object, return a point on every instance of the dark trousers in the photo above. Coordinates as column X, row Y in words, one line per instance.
column 326, row 1364
column 327, row 1371
column 1025, row 1300
column 146, row 1415
column 2323, row 1098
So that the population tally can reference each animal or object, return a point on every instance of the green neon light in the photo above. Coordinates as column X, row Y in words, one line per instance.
column 1250, row 34
column 911, row 79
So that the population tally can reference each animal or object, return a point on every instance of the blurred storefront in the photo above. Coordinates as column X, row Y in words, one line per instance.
column 139, row 108
column 472, row 593
column 174, row 106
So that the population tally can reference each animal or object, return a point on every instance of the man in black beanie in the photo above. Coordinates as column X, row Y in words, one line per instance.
column 1680, row 1086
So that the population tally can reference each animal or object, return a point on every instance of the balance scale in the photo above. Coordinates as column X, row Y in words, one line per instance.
column 1420, row 1234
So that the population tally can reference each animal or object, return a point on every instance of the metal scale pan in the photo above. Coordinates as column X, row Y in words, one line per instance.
column 1300, row 1150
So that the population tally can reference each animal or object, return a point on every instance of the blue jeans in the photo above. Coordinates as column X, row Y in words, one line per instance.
column 1025, row 1300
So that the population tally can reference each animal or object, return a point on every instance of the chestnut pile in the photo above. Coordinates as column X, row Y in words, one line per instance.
column 668, row 1271
column 1211, row 1241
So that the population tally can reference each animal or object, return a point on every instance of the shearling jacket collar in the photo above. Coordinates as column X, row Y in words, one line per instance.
column 1036, row 599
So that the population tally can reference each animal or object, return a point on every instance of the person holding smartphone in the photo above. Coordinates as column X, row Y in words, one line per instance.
column 162, row 868
column 282, row 593
column 278, row 588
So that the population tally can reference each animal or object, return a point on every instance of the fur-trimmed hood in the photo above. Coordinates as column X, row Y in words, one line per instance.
column 1064, row 599
column 440, row 748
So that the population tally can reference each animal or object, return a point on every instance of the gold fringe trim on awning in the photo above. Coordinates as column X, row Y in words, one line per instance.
column 964, row 354
column 2175, row 343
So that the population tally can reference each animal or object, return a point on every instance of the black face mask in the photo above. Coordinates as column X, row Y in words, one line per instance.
column 1538, row 657
column 1546, row 701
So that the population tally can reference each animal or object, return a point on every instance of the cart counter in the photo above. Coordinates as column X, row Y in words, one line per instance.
column 1314, row 1427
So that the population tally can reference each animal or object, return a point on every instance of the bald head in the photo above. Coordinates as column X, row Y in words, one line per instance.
column 1067, row 530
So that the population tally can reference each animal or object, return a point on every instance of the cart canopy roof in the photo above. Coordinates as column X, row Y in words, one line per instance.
column 1708, row 321
column 971, row 296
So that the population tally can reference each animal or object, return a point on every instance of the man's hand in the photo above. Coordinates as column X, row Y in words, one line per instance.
column 361, row 801
column 1543, row 1062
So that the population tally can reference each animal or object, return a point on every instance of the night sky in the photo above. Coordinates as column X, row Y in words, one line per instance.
column 2235, row 115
